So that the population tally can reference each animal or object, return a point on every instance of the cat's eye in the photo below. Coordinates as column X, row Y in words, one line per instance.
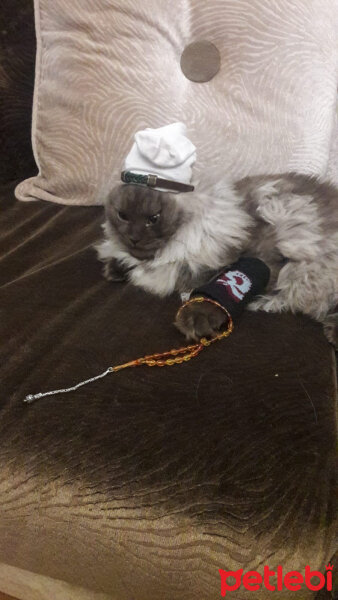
column 153, row 219
column 122, row 215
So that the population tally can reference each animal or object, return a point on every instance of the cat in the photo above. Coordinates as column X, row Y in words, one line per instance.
column 174, row 242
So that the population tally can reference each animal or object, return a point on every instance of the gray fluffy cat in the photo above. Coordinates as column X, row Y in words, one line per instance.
column 173, row 242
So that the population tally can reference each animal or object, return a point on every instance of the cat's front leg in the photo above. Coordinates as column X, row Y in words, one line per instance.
column 270, row 303
column 199, row 320
column 114, row 270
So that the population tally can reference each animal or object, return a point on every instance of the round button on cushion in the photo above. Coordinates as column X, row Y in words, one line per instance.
column 200, row 61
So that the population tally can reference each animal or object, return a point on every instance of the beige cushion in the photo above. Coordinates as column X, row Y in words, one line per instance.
column 106, row 69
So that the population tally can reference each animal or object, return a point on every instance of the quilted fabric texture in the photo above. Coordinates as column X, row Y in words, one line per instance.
column 107, row 69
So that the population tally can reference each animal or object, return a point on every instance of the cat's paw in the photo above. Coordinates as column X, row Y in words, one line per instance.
column 199, row 320
column 269, row 304
column 114, row 271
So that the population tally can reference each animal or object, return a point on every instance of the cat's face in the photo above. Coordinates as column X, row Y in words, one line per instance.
column 143, row 219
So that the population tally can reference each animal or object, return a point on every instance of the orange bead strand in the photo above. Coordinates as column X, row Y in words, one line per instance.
column 187, row 352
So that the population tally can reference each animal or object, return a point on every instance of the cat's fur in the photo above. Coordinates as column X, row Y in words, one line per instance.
column 289, row 221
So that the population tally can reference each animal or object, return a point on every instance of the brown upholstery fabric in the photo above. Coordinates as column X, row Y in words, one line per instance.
column 5, row 597
column 142, row 485
column 145, row 483
column 17, row 58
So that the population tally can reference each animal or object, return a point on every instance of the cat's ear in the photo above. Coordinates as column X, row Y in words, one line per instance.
column 113, row 195
column 112, row 202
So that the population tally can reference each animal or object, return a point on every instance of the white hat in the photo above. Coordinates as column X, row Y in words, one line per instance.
column 165, row 152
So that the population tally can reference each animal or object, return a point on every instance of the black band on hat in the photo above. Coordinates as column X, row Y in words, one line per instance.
column 153, row 181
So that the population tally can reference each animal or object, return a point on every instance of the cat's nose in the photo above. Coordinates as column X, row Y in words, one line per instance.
column 134, row 239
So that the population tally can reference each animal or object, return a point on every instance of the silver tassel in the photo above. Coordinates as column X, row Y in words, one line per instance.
column 32, row 397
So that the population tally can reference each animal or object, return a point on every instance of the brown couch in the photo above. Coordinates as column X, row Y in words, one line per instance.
column 145, row 483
